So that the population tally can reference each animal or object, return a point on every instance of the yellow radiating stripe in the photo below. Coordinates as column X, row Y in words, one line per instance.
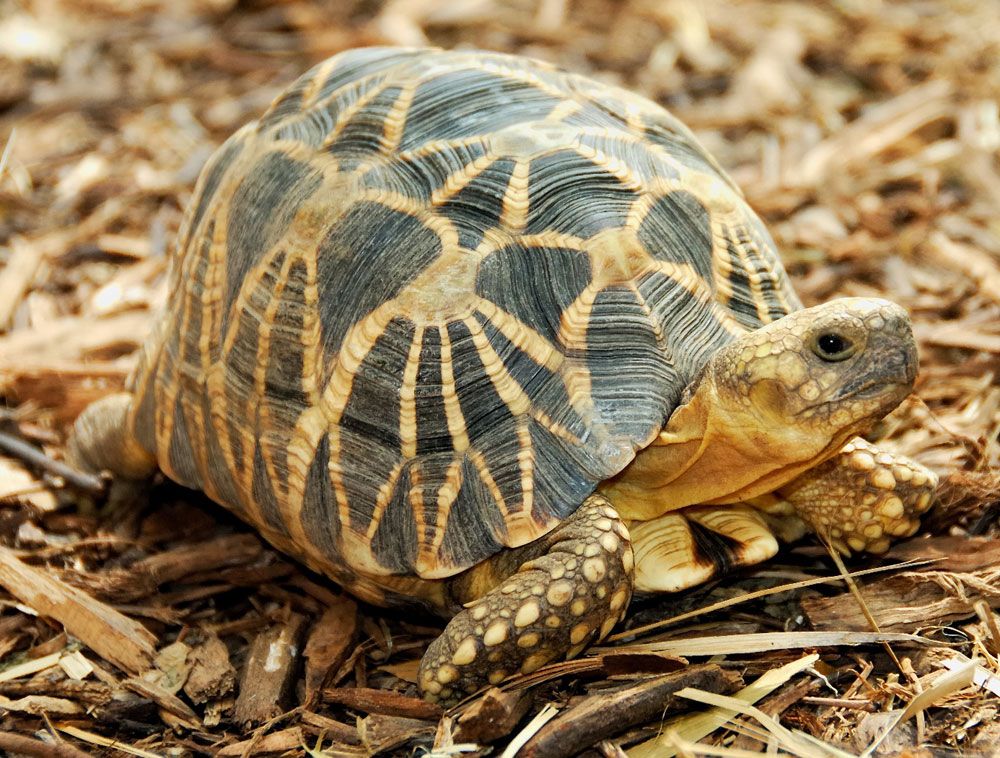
column 258, row 396
column 522, row 336
column 408, row 399
column 523, row 76
column 611, row 165
column 661, row 340
column 459, row 180
column 526, row 464
column 321, row 73
column 214, row 276
column 395, row 120
column 514, row 216
column 573, row 325
column 449, row 395
column 563, row 109
column 753, row 276
column 382, row 499
column 168, row 378
column 222, row 413
column 311, row 332
column 506, row 386
column 344, row 116
column 430, row 550
column 358, row 342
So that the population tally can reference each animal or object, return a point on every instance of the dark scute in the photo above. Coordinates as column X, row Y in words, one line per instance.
column 479, row 205
column 262, row 491
column 753, row 258
column 239, row 380
column 395, row 541
column 372, row 410
column 677, row 141
column 287, row 105
column 319, row 510
column 219, row 474
column 742, row 302
column 485, row 412
column 474, row 523
column 263, row 206
column 189, row 340
column 211, row 177
column 491, row 426
column 283, row 380
column 144, row 426
column 534, row 284
column 630, row 369
column 362, row 63
column 562, row 480
column 181, row 452
column 678, row 229
column 567, row 193
column 594, row 115
column 432, row 423
column 545, row 388
column 641, row 162
column 369, row 425
column 692, row 331
column 365, row 260
column 363, row 132
column 463, row 103
column 417, row 176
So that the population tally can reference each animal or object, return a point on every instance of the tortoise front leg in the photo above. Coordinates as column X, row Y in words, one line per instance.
column 102, row 440
column 554, row 606
column 860, row 498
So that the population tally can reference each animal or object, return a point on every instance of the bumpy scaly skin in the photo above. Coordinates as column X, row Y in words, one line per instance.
column 862, row 497
column 554, row 606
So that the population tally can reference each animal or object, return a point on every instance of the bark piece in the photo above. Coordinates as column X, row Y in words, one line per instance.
column 117, row 638
column 604, row 715
column 383, row 733
column 212, row 675
column 492, row 716
column 275, row 742
column 330, row 642
column 383, row 702
column 269, row 672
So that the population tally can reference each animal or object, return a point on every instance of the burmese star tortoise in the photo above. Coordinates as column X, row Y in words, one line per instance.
column 463, row 330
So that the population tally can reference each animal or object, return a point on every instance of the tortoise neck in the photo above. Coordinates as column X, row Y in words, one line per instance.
column 709, row 452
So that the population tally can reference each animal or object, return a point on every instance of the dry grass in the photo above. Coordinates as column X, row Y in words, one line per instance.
column 866, row 133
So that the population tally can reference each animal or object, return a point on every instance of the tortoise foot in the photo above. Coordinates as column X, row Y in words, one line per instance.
column 863, row 497
column 553, row 607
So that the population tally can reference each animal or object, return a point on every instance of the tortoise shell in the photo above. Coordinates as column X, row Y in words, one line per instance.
column 426, row 303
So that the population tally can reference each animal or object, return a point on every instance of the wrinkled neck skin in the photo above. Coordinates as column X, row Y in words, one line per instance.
column 712, row 452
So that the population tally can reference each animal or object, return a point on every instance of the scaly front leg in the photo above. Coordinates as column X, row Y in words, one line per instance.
column 859, row 499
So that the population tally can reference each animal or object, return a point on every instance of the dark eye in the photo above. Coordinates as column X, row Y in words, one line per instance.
column 831, row 346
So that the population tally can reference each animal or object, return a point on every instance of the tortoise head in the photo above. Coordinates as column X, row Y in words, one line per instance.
column 775, row 403
column 816, row 377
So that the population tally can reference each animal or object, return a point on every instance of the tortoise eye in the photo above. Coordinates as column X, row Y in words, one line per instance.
column 832, row 347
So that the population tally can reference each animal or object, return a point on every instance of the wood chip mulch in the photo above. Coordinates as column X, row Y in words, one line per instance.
column 868, row 137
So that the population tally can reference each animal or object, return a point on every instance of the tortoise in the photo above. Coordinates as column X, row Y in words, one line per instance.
column 465, row 331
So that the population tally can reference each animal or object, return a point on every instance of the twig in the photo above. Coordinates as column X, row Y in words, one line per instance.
column 32, row 456
column 639, row 630
column 15, row 743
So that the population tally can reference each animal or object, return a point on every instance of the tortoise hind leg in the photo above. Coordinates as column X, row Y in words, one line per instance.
column 860, row 498
column 553, row 606
column 685, row 548
column 102, row 440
